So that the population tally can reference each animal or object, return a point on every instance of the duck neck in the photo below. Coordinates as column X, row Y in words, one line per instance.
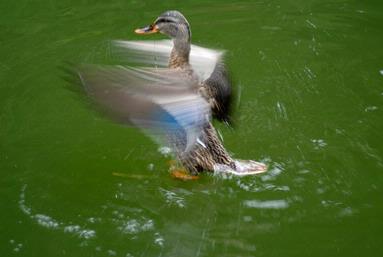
column 179, row 56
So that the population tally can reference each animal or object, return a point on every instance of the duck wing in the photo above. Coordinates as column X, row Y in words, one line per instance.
column 150, row 53
column 217, row 90
column 206, row 63
column 165, row 106
column 156, row 53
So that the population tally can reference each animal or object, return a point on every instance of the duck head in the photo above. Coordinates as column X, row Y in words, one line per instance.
column 170, row 23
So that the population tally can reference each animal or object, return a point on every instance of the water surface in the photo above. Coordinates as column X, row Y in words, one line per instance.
column 309, row 77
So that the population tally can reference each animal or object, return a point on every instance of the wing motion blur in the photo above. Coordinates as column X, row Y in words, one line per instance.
column 166, row 107
column 206, row 63
column 157, row 53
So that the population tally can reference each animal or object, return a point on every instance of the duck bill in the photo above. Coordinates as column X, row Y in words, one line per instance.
column 147, row 30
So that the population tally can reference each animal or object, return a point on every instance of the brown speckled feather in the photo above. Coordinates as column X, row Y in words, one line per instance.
column 207, row 153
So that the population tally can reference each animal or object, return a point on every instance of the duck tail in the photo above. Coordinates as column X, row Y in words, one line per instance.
column 242, row 168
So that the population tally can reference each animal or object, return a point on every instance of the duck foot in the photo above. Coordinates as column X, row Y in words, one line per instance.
column 182, row 174
column 179, row 172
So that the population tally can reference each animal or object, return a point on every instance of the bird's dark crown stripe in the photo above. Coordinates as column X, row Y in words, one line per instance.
column 165, row 20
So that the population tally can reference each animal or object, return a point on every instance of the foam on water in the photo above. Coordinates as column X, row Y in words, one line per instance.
column 159, row 240
column 319, row 143
column 16, row 246
column 271, row 204
column 166, row 151
column 172, row 198
column 134, row 226
column 371, row 108
column 126, row 224
column 48, row 222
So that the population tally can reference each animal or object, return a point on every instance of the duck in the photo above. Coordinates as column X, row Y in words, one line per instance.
column 173, row 104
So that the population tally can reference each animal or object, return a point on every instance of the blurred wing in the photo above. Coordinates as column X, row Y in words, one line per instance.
column 204, row 60
column 157, row 53
column 151, row 53
column 218, row 87
column 165, row 107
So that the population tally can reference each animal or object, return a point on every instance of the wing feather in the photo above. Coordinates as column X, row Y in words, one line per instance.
column 167, row 108
column 156, row 53
column 207, row 64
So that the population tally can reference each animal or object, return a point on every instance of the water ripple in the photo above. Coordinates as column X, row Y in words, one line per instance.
column 270, row 204
column 172, row 198
column 48, row 222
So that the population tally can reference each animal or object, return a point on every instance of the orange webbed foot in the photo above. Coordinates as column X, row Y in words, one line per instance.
column 183, row 175
column 179, row 172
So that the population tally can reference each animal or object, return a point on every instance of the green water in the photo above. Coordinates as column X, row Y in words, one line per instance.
column 310, row 75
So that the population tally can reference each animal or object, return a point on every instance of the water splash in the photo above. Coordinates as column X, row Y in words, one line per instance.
column 159, row 240
column 17, row 246
column 270, row 204
column 166, row 151
column 134, row 226
column 371, row 108
column 318, row 143
column 172, row 198
column 111, row 253
column 48, row 222
column 311, row 24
